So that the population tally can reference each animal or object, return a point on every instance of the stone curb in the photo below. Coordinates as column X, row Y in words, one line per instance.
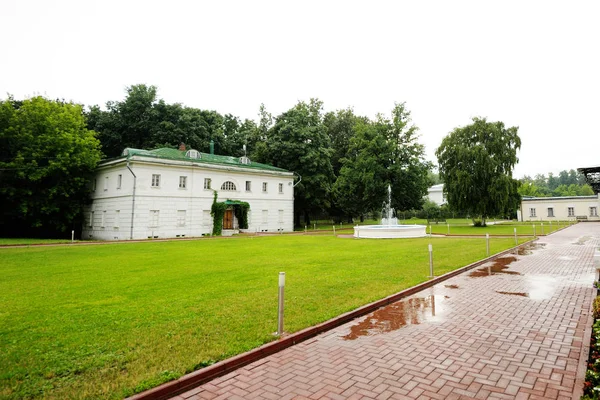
column 197, row 378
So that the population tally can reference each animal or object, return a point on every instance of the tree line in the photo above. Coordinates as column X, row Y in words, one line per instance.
column 343, row 161
column 567, row 183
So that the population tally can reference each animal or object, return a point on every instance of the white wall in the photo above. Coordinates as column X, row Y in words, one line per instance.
column 436, row 194
column 168, row 198
column 581, row 206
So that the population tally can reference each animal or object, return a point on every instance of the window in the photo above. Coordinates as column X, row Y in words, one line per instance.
column 571, row 211
column 281, row 188
column 593, row 212
column 230, row 186
column 206, row 217
column 182, row 182
column 192, row 154
column 180, row 217
column 153, row 218
column 264, row 186
column 117, row 215
column 265, row 216
column 155, row 180
column 248, row 186
column 550, row 212
column 94, row 184
column 281, row 216
column 206, row 183
column 91, row 221
column 119, row 181
column 103, row 219
column 105, row 183
column 532, row 212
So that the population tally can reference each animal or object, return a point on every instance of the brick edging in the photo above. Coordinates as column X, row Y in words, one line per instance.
column 199, row 377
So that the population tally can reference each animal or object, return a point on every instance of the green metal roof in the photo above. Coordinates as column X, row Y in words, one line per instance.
column 204, row 158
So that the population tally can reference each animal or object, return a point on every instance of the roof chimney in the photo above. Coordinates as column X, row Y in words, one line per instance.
column 212, row 147
column 181, row 146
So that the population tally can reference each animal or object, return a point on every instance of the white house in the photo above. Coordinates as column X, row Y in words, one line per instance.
column 436, row 194
column 560, row 208
column 168, row 193
column 583, row 208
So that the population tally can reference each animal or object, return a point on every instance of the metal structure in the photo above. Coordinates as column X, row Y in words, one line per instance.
column 592, row 177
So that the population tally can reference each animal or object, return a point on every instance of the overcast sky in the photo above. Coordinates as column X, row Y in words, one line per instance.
column 531, row 64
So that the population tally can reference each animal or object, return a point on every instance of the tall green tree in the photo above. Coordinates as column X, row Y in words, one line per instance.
column 47, row 156
column 298, row 142
column 381, row 153
column 476, row 163
column 408, row 169
column 361, row 186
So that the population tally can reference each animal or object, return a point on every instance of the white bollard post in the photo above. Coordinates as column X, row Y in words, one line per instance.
column 429, row 230
column 334, row 230
column 304, row 229
column 72, row 236
column 315, row 226
column 448, row 228
column 280, row 311
column 431, row 261
column 533, row 230
column 487, row 243
column 542, row 228
column 516, row 240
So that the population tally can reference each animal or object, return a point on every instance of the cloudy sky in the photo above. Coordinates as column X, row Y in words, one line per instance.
column 531, row 64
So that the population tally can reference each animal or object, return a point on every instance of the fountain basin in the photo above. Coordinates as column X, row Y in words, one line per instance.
column 389, row 231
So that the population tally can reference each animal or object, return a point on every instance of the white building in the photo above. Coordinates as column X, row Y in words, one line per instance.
column 168, row 193
column 436, row 194
column 583, row 208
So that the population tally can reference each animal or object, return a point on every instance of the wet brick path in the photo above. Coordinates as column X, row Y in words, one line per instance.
column 516, row 333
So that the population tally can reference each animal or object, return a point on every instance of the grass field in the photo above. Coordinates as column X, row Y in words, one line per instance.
column 24, row 241
column 105, row 321
column 457, row 227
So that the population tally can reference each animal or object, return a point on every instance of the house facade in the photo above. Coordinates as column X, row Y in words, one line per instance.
column 168, row 193
column 436, row 194
column 583, row 208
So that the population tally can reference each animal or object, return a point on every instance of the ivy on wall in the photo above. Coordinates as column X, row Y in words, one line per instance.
column 217, row 211
column 241, row 213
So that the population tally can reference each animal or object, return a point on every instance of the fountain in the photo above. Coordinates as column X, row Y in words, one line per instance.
column 389, row 228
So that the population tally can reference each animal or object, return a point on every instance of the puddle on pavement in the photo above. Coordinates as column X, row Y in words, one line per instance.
column 500, row 266
column 451, row 286
column 541, row 287
column 528, row 250
column 582, row 240
column 392, row 317
column 567, row 258
column 514, row 293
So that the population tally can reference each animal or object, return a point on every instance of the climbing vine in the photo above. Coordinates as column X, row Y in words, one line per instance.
column 241, row 213
column 217, row 211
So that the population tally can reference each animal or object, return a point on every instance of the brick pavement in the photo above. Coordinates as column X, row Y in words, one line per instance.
column 514, row 334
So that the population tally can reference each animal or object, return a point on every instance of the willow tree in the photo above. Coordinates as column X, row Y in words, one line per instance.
column 476, row 163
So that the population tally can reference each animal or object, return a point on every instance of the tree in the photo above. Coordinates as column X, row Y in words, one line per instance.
column 298, row 142
column 362, row 182
column 476, row 163
column 408, row 169
column 46, row 161
column 381, row 153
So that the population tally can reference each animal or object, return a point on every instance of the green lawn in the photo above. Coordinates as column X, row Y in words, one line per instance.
column 104, row 321
column 499, row 229
column 25, row 241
